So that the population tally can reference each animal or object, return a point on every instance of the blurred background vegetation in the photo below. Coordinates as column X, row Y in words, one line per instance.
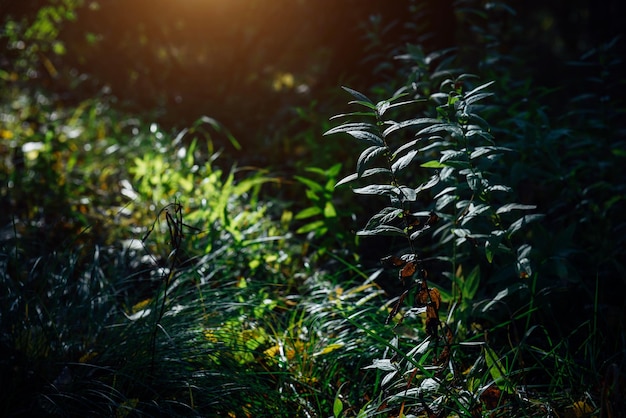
column 111, row 111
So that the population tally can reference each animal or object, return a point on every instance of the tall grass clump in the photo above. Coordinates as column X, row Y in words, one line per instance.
column 140, row 278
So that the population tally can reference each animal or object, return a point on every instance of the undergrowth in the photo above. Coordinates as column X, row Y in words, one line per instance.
column 143, row 275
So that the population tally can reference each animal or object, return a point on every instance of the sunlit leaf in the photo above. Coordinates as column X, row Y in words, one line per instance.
column 514, row 206
column 403, row 162
column 410, row 122
column 367, row 156
column 383, row 230
column 433, row 164
column 517, row 225
column 366, row 173
column 477, row 89
column 366, row 136
column 362, row 126
column 378, row 189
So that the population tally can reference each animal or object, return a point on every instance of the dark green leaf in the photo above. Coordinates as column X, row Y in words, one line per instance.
column 407, row 146
column 386, row 215
column 419, row 232
column 360, row 126
column 368, row 172
column 410, row 122
column 369, row 105
column 451, row 155
column 357, row 95
column 477, row 89
column 489, row 149
column 408, row 194
column 381, row 107
column 517, row 225
column 367, row 157
column 475, row 98
column 378, row 189
column 514, row 206
column 385, row 230
column 403, row 162
column 366, row 136
column 445, row 191
column 434, row 179
column 344, row 115
column 452, row 129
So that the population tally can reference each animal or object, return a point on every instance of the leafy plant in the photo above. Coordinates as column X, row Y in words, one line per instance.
column 460, row 202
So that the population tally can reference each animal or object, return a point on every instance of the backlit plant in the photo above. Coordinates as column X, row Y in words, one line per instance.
column 439, row 174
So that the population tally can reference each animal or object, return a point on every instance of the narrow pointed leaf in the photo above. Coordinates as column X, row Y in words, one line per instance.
column 386, row 215
column 477, row 97
column 366, row 173
column 367, row 157
column 378, row 189
column 367, row 136
column 360, row 126
column 410, row 122
column 477, row 89
column 517, row 225
column 385, row 230
column 514, row 206
column 403, row 162
column 357, row 95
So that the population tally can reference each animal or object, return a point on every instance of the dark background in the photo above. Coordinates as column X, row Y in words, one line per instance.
column 178, row 60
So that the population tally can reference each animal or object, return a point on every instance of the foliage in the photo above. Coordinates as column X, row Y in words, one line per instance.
column 465, row 202
column 145, row 274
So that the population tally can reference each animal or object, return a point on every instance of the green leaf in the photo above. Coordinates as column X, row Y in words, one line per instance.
column 367, row 136
column 344, row 115
column 337, row 407
column 476, row 98
column 360, row 126
column 312, row 185
column 403, row 162
column 496, row 370
column 378, row 189
column 386, row 230
column 308, row 212
column 364, row 103
column 517, row 225
column 366, row 173
column 385, row 215
column 359, row 96
column 419, row 232
column 477, row 89
column 489, row 251
column 471, row 284
column 451, row 128
column 381, row 107
column 451, row 155
column 313, row 226
column 410, row 122
column 407, row 146
column 514, row 206
column 489, row 149
column 329, row 210
column 367, row 156
column 408, row 194
column 433, row 164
